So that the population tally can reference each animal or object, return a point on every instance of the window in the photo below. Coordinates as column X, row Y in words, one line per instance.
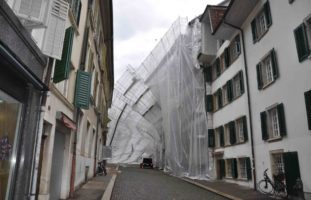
column 229, row 168
column 261, row 23
column 273, row 123
column 308, row 107
column 219, row 137
column 227, row 135
column 224, row 95
column 222, row 63
column 240, row 130
column 267, row 70
column 238, row 86
column 235, row 49
column 302, row 38
column 242, row 168
column 218, row 99
column 277, row 164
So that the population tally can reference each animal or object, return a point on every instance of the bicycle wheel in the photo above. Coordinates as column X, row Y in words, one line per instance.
column 265, row 187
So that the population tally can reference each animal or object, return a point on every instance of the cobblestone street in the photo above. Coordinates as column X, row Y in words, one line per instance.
column 136, row 183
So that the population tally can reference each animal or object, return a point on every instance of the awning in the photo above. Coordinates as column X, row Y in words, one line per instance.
column 66, row 121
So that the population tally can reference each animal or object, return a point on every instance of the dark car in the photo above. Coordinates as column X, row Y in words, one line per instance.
column 147, row 163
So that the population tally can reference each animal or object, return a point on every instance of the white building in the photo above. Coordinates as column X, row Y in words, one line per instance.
column 275, row 50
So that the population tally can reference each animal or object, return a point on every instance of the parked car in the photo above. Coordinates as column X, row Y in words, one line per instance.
column 147, row 163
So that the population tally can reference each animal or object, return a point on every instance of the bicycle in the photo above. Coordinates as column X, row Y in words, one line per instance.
column 276, row 188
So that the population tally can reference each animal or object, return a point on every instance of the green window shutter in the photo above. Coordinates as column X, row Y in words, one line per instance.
column 259, row 76
column 248, row 168
column 221, row 136
column 241, row 81
column 245, row 128
column 264, row 130
column 281, row 117
column 217, row 65
column 308, row 107
column 78, row 12
column 292, row 171
column 274, row 64
column 222, row 168
column 209, row 103
column 229, row 90
column 267, row 11
column 254, row 30
column 219, row 96
column 232, row 132
column 234, row 168
column 227, row 57
column 302, row 44
column 83, row 90
column 211, row 138
column 62, row 67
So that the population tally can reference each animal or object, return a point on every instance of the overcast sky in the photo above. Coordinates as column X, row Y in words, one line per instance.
column 140, row 24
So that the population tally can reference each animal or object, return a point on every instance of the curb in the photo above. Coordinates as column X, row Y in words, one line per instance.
column 212, row 190
column 108, row 191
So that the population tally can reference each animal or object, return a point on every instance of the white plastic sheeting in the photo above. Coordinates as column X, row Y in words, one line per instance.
column 158, row 108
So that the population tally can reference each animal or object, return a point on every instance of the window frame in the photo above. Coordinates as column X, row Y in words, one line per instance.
column 259, row 29
column 242, row 161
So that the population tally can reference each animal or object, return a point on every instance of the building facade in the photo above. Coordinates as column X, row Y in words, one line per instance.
column 274, row 39
column 76, row 38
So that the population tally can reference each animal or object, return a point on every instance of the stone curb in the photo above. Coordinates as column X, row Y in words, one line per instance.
column 212, row 190
column 108, row 191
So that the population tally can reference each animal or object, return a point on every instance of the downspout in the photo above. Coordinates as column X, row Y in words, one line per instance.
column 248, row 101
column 96, row 138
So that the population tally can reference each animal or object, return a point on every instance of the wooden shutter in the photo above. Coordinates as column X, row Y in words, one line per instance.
column 245, row 128
column 268, row 14
column 32, row 10
column 302, row 43
column 264, row 130
column 259, row 76
column 211, row 138
column 308, row 107
column 254, row 30
column 274, row 64
column 248, row 168
column 221, row 136
column 227, row 57
column 229, row 90
column 209, row 103
column 232, row 132
column 219, row 97
column 55, row 32
column 78, row 12
column 281, row 118
column 218, row 71
column 234, row 168
column 83, row 89
column 62, row 67
column 241, row 81
column 222, row 169
column 292, row 170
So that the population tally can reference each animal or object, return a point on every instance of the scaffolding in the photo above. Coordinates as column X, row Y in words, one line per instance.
column 158, row 109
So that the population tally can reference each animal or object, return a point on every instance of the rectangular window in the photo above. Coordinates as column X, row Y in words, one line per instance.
column 222, row 63
column 261, row 22
column 229, row 164
column 224, row 95
column 227, row 134
column 267, row 70
column 277, row 164
column 302, row 37
column 216, row 102
column 240, row 130
column 236, row 86
column 235, row 49
column 217, row 137
column 273, row 123
column 242, row 168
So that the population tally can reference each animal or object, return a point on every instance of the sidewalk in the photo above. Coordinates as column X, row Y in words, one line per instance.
column 95, row 187
column 229, row 190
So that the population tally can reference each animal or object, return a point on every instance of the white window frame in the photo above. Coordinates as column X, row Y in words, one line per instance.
column 229, row 164
column 227, row 135
column 277, row 163
column 236, row 86
column 273, row 123
column 224, row 95
column 217, row 138
column 242, row 168
column 266, row 70
column 239, row 124
column 261, row 24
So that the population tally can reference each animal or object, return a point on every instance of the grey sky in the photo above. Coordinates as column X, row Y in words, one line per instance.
column 140, row 24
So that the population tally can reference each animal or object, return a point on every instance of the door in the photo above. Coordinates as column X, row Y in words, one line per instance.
column 292, row 171
column 57, row 165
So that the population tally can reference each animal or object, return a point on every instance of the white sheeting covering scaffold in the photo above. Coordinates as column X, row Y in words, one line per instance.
column 158, row 109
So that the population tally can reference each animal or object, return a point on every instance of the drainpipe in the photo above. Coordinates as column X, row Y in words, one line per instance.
column 74, row 153
column 96, row 138
column 248, row 101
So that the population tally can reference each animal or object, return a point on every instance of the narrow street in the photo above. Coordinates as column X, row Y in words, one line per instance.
column 135, row 183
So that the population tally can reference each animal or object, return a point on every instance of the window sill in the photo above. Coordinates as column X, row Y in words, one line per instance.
column 268, row 84
column 262, row 35
column 243, row 179
column 274, row 139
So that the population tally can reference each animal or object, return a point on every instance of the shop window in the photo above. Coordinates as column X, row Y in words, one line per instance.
column 261, row 23
column 303, row 39
column 273, row 123
column 267, row 70
column 10, row 112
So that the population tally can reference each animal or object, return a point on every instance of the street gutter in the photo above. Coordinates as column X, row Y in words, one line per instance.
column 108, row 191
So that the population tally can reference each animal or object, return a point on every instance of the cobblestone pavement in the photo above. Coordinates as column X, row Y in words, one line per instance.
column 140, row 184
